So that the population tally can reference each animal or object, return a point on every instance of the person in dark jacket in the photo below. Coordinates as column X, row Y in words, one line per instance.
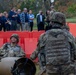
column 0, row 21
column 18, row 20
column 6, row 21
column 13, row 18
column 40, row 21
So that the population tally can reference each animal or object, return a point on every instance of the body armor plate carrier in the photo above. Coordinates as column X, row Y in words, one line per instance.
column 57, row 48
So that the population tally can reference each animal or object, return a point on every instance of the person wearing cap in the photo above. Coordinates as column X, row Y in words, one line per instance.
column 12, row 49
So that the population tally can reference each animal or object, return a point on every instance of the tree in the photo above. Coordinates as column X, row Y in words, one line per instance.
column 6, row 5
column 36, row 5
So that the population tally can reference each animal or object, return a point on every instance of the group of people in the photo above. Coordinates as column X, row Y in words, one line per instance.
column 56, row 48
column 16, row 20
column 23, row 20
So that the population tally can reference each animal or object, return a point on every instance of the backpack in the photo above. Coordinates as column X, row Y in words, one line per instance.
column 57, row 48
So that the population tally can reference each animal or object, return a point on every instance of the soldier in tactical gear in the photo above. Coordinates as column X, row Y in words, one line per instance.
column 59, row 48
column 15, row 36
column 12, row 49
column 55, row 19
column 48, row 18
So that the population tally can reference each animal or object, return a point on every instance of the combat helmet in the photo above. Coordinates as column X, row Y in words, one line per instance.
column 58, row 17
column 17, row 66
column 15, row 36
column 24, row 66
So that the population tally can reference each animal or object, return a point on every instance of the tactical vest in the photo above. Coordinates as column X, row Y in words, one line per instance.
column 11, row 51
column 57, row 47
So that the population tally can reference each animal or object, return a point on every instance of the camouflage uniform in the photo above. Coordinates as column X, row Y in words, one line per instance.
column 58, row 19
column 11, row 51
column 52, row 12
column 49, row 16
column 8, row 50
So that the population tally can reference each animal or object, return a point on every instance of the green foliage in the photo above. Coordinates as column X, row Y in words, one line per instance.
column 66, row 6
column 22, row 6
column 29, row 4
column 72, row 8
